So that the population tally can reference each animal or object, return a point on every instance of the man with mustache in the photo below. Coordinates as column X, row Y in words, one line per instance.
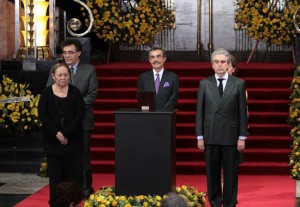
column 164, row 82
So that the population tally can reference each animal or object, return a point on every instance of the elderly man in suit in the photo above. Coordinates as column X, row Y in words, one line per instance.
column 164, row 82
column 221, row 128
column 84, row 77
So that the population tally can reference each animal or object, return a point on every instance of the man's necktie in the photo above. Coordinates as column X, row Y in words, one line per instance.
column 220, row 87
column 157, row 82
column 72, row 70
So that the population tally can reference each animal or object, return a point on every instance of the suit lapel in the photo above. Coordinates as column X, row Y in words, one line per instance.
column 215, row 92
column 79, row 73
column 228, row 88
column 162, row 81
column 214, row 89
column 227, row 91
column 150, row 80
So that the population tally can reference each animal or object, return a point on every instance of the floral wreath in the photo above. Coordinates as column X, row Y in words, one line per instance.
column 294, row 121
column 129, row 22
column 18, row 106
column 264, row 21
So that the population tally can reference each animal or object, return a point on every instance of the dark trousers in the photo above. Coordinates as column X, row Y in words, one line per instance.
column 87, row 174
column 64, row 168
column 216, row 157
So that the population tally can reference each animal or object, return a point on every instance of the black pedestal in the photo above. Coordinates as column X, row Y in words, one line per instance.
column 145, row 152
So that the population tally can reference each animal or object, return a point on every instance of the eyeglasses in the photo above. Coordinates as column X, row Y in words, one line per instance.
column 157, row 57
column 219, row 61
column 69, row 52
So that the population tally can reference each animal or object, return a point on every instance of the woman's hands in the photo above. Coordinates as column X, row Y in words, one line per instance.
column 61, row 138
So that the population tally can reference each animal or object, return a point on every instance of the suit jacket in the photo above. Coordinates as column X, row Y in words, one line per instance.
column 50, row 115
column 167, row 96
column 221, row 120
column 86, row 81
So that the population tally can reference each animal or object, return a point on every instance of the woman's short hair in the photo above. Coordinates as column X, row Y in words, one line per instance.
column 234, row 64
column 57, row 65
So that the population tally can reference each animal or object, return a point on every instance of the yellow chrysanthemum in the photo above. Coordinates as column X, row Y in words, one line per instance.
column 265, row 23
column 114, row 203
column 158, row 198
column 112, row 25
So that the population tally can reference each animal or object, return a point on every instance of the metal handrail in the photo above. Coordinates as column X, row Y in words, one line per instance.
column 91, row 21
column 295, row 19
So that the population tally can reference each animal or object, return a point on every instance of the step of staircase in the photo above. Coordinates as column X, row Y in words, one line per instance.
column 109, row 104
column 186, row 93
column 189, row 116
column 189, row 141
column 182, row 154
column 194, row 167
column 247, row 168
column 193, row 81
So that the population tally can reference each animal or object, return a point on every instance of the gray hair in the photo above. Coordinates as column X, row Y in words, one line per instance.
column 220, row 51
column 173, row 199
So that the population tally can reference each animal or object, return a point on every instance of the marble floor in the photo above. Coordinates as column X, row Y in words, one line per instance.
column 14, row 187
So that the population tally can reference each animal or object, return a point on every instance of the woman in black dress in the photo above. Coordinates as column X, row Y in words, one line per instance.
column 61, row 110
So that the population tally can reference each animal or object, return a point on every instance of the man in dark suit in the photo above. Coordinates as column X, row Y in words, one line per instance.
column 221, row 128
column 84, row 77
column 164, row 82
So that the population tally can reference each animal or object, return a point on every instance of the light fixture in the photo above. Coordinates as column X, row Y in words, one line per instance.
column 35, row 30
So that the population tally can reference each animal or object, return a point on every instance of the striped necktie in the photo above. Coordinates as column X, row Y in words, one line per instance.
column 157, row 82
column 72, row 70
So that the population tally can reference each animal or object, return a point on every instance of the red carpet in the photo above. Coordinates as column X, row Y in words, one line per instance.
column 254, row 190
column 268, row 146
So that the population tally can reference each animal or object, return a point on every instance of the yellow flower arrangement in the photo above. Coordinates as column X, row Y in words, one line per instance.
column 131, row 23
column 43, row 171
column 294, row 121
column 106, row 197
column 18, row 106
column 264, row 22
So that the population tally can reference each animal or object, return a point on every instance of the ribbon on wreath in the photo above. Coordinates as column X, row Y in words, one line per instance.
column 15, row 99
